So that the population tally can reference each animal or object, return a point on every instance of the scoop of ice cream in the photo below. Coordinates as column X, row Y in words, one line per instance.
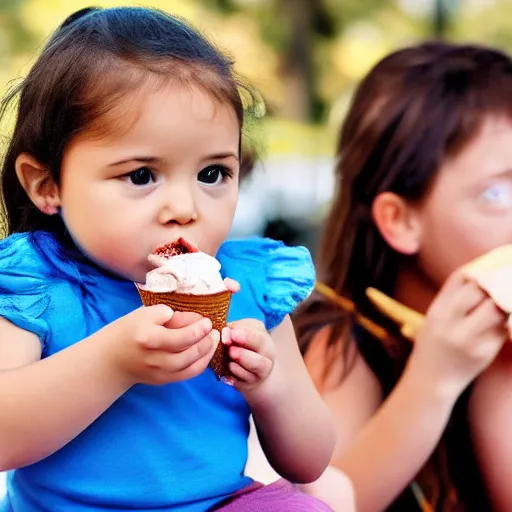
column 194, row 273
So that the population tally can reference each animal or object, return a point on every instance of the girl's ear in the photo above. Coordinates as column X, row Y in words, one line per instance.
column 398, row 222
column 38, row 183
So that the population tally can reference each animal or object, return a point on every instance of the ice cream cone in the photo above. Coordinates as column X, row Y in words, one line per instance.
column 213, row 306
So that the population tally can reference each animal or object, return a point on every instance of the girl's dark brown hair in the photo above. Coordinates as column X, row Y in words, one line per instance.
column 415, row 108
column 95, row 58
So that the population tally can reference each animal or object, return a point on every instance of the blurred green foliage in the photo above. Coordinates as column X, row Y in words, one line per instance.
column 305, row 56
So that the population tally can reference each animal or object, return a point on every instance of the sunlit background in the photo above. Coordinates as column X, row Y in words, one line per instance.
column 305, row 57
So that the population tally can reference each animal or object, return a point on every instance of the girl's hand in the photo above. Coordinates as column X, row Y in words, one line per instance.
column 232, row 285
column 154, row 345
column 463, row 332
column 252, row 351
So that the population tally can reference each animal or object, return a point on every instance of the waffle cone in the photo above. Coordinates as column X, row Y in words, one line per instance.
column 213, row 306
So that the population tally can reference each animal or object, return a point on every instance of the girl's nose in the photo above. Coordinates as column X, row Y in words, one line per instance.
column 178, row 207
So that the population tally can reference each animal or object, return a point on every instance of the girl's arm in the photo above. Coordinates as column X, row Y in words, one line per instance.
column 490, row 416
column 392, row 447
column 294, row 425
column 46, row 403
column 380, row 448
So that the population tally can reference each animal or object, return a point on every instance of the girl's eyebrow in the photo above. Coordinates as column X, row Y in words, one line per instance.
column 507, row 173
column 145, row 159
column 221, row 156
column 502, row 174
column 491, row 178
column 152, row 159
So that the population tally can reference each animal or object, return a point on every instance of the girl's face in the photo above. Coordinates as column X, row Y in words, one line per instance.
column 173, row 173
column 469, row 209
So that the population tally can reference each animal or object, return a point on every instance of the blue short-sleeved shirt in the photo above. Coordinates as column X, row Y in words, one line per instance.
column 180, row 446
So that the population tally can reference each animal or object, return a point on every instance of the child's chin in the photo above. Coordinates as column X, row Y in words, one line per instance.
column 137, row 275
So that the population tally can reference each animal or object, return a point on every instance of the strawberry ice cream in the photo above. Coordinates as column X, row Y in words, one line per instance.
column 182, row 268
column 194, row 273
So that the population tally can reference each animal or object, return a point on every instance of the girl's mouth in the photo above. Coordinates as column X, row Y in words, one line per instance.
column 179, row 246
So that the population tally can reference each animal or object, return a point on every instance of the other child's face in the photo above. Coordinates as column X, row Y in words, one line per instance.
column 172, row 172
column 469, row 209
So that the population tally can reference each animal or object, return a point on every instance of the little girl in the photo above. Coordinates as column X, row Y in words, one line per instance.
column 128, row 136
column 424, row 186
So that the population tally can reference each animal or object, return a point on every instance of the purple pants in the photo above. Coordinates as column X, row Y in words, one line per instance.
column 280, row 496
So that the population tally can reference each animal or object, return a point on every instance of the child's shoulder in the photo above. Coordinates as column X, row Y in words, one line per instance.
column 12, row 245
column 278, row 276
column 23, row 256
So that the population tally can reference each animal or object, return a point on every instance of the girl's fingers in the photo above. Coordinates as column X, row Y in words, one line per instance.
column 173, row 363
column 256, row 340
column 159, row 314
column 459, row 296
column 241, row 374
column 253, row 362
column 486, row 316
column 226, row 336
column 232, row 285
column 182, row 319
column 177, row 340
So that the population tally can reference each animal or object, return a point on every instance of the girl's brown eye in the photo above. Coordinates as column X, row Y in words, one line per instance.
column 142, row 176
column 213, row 175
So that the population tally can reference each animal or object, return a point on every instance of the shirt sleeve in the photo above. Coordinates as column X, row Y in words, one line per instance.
column 280, row 277
column 23, row 291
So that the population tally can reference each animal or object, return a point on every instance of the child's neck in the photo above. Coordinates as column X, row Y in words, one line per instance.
column 414, row 290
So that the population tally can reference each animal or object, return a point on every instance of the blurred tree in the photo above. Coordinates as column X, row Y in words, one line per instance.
column 304, row 55
column 295, row 29
column 225, row 6
column 444, row 12
column 16, row 36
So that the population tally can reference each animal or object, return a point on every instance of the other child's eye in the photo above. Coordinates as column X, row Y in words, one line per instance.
column 499, row 195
